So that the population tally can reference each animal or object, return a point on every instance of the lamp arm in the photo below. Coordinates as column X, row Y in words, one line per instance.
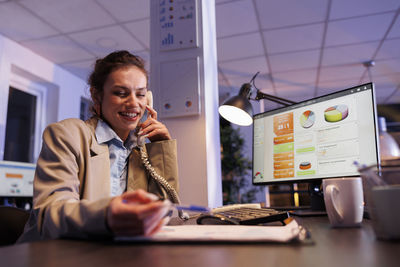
column 260, row 95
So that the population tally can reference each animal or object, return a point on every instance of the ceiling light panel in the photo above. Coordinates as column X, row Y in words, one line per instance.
column 26, row 27
column 295, row 78
column 239, row 47
column 127, row 10
column 141, row 30
column 245, row 68
column 294, row 61
column 342, row 72
column 353, row 31
column 395, row 30
column 58, row 49
column 389, row 49
column 277, row 14
column 81, row 69
column 235, row 18
column 294, row 38
column 351, row 8
column 71, row 15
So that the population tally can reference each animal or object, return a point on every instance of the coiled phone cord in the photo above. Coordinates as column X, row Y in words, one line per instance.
column 173, row 195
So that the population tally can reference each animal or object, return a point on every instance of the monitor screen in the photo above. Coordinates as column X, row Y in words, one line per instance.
column 16, row 179
column 315, row 139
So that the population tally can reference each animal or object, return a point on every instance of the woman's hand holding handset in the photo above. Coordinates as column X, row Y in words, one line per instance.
column 137, row 213
column 152, row 128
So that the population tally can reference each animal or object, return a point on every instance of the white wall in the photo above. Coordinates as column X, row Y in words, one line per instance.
column 64, row 90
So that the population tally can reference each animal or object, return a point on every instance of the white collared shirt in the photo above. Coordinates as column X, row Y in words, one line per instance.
column 119, row 155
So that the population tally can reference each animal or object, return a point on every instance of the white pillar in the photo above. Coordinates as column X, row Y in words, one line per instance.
column 184, row 80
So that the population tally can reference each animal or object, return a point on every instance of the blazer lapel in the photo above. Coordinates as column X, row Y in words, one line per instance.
column 98, row 176
column 99, row 172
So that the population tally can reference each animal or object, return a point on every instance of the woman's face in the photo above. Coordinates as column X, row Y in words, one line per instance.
column 124, row 99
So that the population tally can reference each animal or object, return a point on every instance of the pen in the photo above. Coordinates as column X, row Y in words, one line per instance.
column 193, row 208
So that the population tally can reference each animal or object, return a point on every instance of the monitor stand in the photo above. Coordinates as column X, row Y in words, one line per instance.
column 317, row 207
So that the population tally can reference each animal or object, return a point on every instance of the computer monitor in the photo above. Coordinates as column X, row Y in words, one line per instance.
column 16, row 179
column 316, row 139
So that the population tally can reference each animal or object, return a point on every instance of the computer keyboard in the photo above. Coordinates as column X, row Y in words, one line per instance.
column 243, row 216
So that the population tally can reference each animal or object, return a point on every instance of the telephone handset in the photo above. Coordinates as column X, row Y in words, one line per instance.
column 162, row 182
column 149, row 96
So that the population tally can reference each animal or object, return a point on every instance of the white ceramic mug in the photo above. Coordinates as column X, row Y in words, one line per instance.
column 344, row 201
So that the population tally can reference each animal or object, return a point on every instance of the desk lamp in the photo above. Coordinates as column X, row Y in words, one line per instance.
column 238, row 109
column 389, row 149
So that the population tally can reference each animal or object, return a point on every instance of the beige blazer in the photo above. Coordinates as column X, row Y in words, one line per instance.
column 72, row 181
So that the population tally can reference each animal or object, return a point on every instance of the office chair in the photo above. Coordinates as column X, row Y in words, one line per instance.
column 12, row 222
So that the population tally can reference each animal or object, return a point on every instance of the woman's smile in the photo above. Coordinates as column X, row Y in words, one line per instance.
column 131, row 116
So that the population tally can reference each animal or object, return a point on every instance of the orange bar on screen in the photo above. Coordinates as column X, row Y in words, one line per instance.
column 279, row 165
column 284, row 173
column 283, row 156
column 14, row 175
column 283, row 139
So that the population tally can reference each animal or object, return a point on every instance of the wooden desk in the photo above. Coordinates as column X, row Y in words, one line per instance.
column 333, row 247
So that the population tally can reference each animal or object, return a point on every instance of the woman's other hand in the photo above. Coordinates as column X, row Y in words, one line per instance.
column 137, row 213
column 152, row 128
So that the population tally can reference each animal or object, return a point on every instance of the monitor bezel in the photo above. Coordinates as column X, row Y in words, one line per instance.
column 318, row 179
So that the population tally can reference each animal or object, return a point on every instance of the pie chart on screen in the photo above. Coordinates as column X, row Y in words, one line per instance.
column 307, row 119
column 336, row 113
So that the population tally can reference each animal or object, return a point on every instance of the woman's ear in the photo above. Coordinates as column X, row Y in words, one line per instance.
column 97, row 108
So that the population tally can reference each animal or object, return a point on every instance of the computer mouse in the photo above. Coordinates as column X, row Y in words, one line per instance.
column 215, row 219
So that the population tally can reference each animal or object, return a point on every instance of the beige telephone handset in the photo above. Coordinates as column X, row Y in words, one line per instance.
column 162, row 182
column 149, row 96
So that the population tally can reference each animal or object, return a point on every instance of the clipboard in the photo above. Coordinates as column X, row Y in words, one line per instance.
column 291, row 232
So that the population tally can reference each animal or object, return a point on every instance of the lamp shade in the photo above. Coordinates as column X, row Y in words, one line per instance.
column 237, row 110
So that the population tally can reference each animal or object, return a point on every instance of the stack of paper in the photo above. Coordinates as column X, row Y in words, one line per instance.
column 237, row 233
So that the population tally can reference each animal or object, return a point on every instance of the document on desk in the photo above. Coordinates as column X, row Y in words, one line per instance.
column 236, row 233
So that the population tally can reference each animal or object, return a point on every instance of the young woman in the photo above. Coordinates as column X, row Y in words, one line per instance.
column 90, row 180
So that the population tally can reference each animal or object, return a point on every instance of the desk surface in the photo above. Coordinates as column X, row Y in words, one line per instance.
column 333, row 247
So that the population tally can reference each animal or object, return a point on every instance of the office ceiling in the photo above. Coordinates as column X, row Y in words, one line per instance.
column 302, row 48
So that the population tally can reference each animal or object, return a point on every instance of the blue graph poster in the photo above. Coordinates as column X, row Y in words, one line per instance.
column 178, row 24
